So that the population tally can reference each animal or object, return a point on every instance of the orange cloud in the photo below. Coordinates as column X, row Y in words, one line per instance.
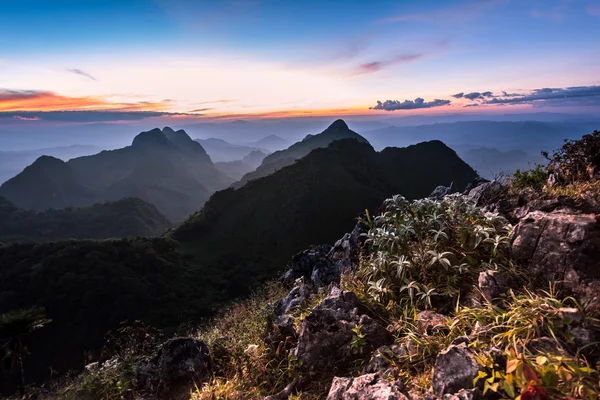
column 35, row 100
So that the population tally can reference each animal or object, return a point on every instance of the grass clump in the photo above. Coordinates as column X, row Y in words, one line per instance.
column 246, row 365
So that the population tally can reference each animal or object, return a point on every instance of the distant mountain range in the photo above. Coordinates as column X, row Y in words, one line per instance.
column 123, row 218
column 282, row 158
column 271, row 143
column 491, row 162
column 13, row 162
column 532, row 136
column 240, row 238
column 221, row 151
column 165, row 168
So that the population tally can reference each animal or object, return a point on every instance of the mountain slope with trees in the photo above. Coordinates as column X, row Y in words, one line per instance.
column 129, row 217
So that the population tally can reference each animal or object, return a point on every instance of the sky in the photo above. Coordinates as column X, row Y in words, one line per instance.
column 278, row 58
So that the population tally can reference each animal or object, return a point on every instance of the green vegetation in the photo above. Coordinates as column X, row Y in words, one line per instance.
column 535, row 178
column 123, row 218
column 14, row 327
column 430, row 252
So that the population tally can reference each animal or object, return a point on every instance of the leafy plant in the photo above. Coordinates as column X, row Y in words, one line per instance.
column 14, row 327
column 430, row 250
column 535, row 178
column 577, row 160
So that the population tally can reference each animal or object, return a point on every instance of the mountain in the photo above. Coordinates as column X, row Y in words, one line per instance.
column 279, row 159
column 271, row 143
column 255, row 158
column 221, row 151
column 489, row 162
column 258, row 226
column 234, row 169
column 124, row 218
column 165, row 168
column 47, row 183
column 13, row 162
column 239, row 239
column 503, row 135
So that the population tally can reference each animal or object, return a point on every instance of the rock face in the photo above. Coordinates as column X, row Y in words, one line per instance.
column 326, row 335
column 303, row 263
column 455, row 368
column 178, row 363
column 491, row 284
column 487, row 193
column 560, row 246
column 366, row 387
column 325, row 264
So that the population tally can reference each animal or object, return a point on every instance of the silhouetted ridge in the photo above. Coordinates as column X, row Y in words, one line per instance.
column 336, row 131
column 154, row 137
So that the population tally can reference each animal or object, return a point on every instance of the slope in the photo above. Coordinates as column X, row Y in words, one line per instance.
column 248, row 234
column 47, row 183
column 129, row 217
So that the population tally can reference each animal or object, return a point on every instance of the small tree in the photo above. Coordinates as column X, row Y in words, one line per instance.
column 14, row 326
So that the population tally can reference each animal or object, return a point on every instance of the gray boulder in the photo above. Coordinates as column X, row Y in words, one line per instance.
column 487, row 193
column 561, row 246
column 454, row 369
column 440, row 191
column 465, row 394
column 178, row 363
column 491, row 284
column 325, row 335
column 302, row 264
column 366, row 387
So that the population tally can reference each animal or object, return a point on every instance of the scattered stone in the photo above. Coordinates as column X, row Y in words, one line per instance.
column 302, row 264
column 487, row 193
column 381, row 358
column 491, row 284
column 366, row 387
column 326, row 334
column 430, row 323
column 475, row 183
column 285, row 393
column 178, row 363
column 465, row 394
column 440, row 191
column 454, row 369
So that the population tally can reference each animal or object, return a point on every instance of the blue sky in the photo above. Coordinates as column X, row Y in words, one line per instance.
column 263, row 57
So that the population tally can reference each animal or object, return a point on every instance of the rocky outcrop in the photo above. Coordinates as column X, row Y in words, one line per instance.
column 561, row 246
column 178, row 363
column 325, row 264
column 491, row 284
column 326, row 334
column 366, row 387
column 454, row 369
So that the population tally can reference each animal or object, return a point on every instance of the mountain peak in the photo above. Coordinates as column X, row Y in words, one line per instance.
column 150, row 138
column 338, row 124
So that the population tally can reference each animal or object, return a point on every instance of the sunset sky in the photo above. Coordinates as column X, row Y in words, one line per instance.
column 280, row 57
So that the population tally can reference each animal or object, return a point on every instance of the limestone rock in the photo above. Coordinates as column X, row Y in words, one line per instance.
column 454, row 369
column 561, row 246
column 326, row 334
column 178, row 362
column 366, row 387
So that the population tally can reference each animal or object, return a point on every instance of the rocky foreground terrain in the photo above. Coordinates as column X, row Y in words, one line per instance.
column 513, row 312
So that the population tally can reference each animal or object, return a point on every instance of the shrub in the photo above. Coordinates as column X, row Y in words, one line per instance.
column 577, row 160
column 429, row 250
column 535, row 178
